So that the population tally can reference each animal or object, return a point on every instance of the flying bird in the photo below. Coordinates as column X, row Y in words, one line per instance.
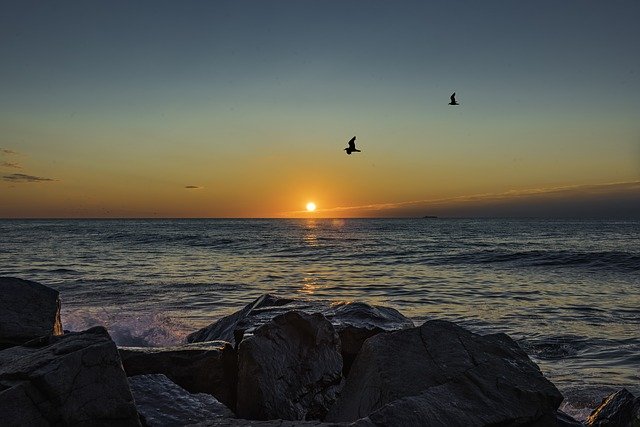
column 352, row 146
column 453, row 99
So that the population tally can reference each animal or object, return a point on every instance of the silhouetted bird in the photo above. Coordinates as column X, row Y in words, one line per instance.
column 453, row 99
column 352, row 146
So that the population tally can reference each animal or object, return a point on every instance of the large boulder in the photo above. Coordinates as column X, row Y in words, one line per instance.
column 72, row 379
column 27, row 310
column 440, row 374
column 619, row 409
column 161, row 402
column 354, row 321
column 208, row 367
column 290, row 368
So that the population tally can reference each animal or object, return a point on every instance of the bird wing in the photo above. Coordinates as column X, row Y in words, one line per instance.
column 453, row 97
column 352, row 143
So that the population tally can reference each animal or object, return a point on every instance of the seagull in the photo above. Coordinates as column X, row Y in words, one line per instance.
column 352, row 146
column 453, row 99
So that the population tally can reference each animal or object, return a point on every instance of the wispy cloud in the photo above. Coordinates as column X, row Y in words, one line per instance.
column 486, row 197
column 13, row 165
column 8, row 152
column 21, row 177
column 193, row 187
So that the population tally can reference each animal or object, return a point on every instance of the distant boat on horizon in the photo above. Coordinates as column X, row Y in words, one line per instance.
column 429, row 216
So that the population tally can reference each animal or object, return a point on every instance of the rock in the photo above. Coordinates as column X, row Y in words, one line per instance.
column 290, row 368
column 565, row 420
column 27, row 310
column 208, row 367
column 619, row 409
column 238, row 422
column 354, row 322
column 161, row 402
column 441, row 374
column 65, row 380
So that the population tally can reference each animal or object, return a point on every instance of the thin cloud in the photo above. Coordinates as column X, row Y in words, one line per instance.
column 486, row 197
column 21, row 177
column 193, row 187
column 13, row 165
column 8, row 152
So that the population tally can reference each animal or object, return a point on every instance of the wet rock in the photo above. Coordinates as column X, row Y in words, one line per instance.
column 208, row 367
column 160, row 402
column 440, row 374
column 290, row 368
column 619, row 409
column 27, row 310
column 65, row 380
column 354, row 322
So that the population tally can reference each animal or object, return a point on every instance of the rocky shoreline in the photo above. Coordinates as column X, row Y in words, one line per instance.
column 276, row 362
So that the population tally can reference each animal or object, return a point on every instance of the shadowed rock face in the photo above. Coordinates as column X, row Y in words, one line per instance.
column 161, row 402
column 290, row 368
column 354, row 322
column 27, row 310
column 619, row 409
column 440, row 374
column 208, row 367
column 72, row 379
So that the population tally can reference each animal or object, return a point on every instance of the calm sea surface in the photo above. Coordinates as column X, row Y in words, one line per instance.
column 568, row 291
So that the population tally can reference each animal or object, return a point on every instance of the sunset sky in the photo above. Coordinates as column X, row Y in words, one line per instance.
column 243, row 108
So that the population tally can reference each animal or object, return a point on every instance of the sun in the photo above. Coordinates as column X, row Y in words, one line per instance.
column 311, row 207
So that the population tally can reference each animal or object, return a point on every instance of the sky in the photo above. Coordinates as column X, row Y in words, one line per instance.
column 243, row 108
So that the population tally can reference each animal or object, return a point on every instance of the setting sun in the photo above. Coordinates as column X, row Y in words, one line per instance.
column 311, row 207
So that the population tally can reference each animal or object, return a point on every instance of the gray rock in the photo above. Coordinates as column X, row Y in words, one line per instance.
column 27, row 310
column 161, row 402
column 440, row 374
column 290, row 368
column 354, row 322
column 65, row 380
column 208, row 367
column 619, row 409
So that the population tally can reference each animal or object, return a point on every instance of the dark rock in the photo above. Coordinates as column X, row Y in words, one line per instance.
column 208, row 367
column 65, row 380
column 565, row 420
column 354, row 322
column 619, row 409
column 161, row 402
column 290, row 368
column 27, row 310
column 238, row 422
column 440, row 374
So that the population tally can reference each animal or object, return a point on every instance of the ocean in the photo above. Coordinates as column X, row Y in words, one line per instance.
column 567, row 291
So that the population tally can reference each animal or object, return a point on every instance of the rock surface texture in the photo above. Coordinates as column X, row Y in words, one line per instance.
column 440, row 374
column 290, row 368
column 354, row 322
column 27, row 310
column 160, row 402
column 74, row 379
column 208, row 367
column 619, row 409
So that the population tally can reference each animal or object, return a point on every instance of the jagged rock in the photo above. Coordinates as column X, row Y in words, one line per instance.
column 161, row 402
column 65, row 380
column 208, row 367
column 238, row 422
column 440, row 374
column 290, row 368
column 27, row 310
column 565, row 420
column 619, row 409
column 354, row 322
